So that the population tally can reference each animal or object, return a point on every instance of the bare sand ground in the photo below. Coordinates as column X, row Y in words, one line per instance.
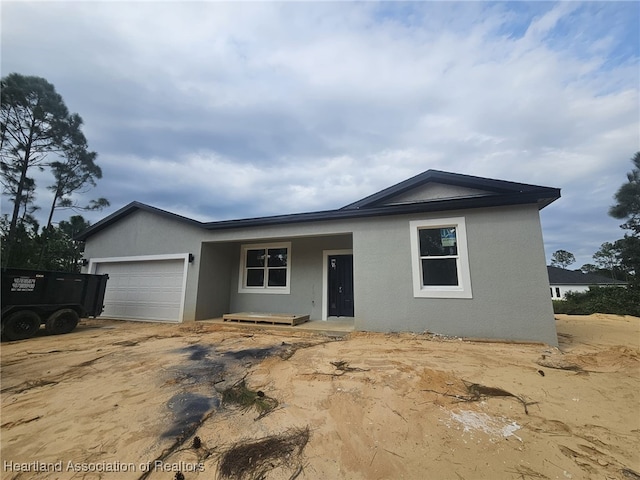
column 124, row 400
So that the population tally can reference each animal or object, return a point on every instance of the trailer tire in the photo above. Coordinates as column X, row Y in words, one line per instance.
column 21, row 325
column 62, row 321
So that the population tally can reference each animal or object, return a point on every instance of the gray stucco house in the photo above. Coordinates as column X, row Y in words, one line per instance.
column 441, row 252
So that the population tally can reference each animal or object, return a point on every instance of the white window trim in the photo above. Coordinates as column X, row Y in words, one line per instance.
column 242, row 288
column 463, row 290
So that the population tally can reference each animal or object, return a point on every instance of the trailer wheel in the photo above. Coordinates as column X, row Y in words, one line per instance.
column 62, row 321
column 21, row 325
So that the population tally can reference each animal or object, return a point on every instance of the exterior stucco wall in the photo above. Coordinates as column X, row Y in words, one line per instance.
column 143, row 233
column 508, row 277
column 564, row 289
column 217, row 263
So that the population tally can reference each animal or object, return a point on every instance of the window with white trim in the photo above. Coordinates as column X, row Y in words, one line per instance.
column 265, row 268
column 440, row 260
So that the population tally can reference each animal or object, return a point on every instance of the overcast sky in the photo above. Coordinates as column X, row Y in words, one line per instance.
column 218, row 110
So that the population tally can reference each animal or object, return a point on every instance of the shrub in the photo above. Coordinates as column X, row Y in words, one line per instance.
column 615, row 300
column 562, row 306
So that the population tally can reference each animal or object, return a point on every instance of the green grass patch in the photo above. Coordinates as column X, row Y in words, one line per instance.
column 239, row 394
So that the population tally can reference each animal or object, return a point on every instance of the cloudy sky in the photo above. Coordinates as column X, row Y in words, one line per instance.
column 218, row 110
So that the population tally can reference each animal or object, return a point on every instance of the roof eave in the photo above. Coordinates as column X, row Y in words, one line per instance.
column 541, row 197
column 128, row 210
column 379, row 211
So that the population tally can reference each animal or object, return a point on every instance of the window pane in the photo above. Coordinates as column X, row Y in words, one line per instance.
column 255, row 258
column 438, row 241
column 439, row 272
column 277, row 277
column 255, row 278
column 277, row 257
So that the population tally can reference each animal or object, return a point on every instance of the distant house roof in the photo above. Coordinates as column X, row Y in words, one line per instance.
column 494, row 193
column 560, row 276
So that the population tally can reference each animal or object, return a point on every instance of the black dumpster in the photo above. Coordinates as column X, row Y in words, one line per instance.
column 56, row 299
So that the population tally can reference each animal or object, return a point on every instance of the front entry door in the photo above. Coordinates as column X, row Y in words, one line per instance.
column 340, row 285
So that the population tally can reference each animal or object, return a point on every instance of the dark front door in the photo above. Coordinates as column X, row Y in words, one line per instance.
column 341, row 285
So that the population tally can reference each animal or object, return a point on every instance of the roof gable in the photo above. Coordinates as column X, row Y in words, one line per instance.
column 436, row 185
column 128, row 210
column 434, row 191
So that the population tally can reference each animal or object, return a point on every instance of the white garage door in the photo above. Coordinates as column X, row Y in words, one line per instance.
column 145, row 290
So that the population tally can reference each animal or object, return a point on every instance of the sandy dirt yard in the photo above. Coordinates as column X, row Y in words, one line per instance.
column 126, row 400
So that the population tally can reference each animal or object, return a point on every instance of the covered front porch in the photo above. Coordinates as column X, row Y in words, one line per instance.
column 305, row 276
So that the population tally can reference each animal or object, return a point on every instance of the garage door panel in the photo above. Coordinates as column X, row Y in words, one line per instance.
column 143, row 310
column 146, row 289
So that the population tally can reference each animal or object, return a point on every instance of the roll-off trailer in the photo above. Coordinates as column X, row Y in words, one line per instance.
column 58, row 300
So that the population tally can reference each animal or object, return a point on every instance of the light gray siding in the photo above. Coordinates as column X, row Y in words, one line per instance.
column 217, row 264
column 508, row 277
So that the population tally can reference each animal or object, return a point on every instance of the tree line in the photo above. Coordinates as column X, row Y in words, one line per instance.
column 39, row 134
column 619, row 259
